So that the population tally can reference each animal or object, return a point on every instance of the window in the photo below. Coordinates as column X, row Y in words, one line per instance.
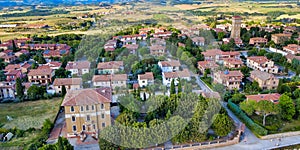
column 83, row 127
column 74, row 128
column 73, row 118
column 88, row 118
column 72, row 108
column 81, row 108
column 102, row 115
column 87, row 107
column 102, row 106
column 103, row 124
column 93, row 107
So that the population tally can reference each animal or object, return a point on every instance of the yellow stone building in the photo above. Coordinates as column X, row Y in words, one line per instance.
column 87, row 111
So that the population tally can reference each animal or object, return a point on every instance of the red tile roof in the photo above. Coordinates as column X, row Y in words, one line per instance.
column 78, row 65
column 259, row 59
column 212, row 52
column 87, row 97
column 35, row 72
column 67, row 81
column 233, row 61
column 207, row 64
column 172, row 63
column 114, row 77
column 110, row 65
column 237, row 17
column 270, row 97
column 146, row 76
column 12, row 72
column 177, row 74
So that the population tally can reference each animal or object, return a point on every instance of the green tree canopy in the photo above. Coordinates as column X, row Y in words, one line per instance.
column 287, row 107
column 222, row 124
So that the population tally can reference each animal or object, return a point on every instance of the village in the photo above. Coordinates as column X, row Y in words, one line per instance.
column 252, row 71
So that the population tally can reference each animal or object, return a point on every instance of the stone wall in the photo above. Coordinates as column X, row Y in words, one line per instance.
column 280, row 135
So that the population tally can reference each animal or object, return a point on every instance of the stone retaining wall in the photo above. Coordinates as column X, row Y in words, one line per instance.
column 280, row 135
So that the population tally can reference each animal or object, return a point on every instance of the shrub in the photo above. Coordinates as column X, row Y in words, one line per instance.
column 3, row 130
column 255, row 128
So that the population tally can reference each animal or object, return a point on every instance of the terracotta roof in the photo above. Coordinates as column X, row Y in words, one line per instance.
column 292, row 47
column 291, row 57
column 35, row 72
column 114, row 77
column 198, row 39
column 234, row 73
column 207, row 64
column 270, row 97
column 110, row 65
column 26, row 65
column 261, row 75
column 230, row 73
column 259, row 59
column 12, row 67
column 177, row 74
column 54, row 64
column 237, row 17
column 67, row 81
column 172, row 63
column 12, row 72
column 78, row 65
column 233, row 61
column 87, row 97
column 212, row 52
column 146, row 76
column 23, row 51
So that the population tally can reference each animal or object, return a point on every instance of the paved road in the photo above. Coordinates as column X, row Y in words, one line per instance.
column 249, row 141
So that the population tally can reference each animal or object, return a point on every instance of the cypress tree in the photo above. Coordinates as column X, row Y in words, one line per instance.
column 179, row 86
column 172, row 88
column 19, row 88
column 63, row 90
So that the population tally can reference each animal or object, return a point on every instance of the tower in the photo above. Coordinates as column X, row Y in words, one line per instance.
column 236, row 27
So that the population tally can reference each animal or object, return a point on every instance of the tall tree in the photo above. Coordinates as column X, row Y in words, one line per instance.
column 172, row 88
column 222, row 124
column 248, row 106
column 179, row 86
column 14, row 47
column 266, row 108
column 19, row 89
column 63, row 90
column 287, row 107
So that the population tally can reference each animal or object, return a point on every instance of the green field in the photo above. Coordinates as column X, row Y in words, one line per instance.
column 29, row 114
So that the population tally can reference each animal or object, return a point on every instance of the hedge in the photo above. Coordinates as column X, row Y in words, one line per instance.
column 255, row 128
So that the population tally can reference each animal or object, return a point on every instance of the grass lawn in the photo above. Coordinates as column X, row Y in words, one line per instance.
column 294, row 125
column 19, row 143
column 29, row 114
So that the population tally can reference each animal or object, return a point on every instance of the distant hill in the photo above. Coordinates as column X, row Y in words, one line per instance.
column 5, row 3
